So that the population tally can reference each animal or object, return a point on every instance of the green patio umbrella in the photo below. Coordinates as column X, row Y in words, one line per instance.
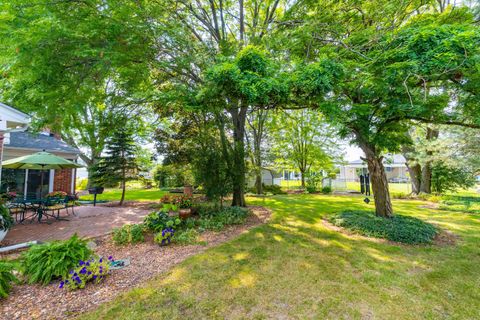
column 40, row 161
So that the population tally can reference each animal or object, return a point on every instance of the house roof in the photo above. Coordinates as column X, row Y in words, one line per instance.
column 39, row 141
column 13, row 115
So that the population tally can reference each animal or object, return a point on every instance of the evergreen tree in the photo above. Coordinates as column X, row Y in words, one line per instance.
column 119, row 164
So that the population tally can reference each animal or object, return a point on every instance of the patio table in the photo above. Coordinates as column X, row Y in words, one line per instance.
column 39, row 208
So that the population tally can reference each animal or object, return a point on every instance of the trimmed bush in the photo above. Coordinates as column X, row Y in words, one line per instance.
column 44, row 262
column 158, row 221
column 6, row 278
column 129, row 233
column 327, row 190
column 399, row 228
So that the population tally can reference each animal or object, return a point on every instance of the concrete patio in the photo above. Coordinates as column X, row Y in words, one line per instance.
column 89, row 221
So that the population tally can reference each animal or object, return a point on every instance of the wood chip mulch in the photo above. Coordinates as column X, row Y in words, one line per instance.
column 146, row 261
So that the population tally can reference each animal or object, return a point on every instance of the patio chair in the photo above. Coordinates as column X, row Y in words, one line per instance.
column 53, row 205
column 69, row 202
column 17, row 210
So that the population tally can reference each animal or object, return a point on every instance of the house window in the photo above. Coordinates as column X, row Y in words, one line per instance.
column 389, row 169
column 13, row 180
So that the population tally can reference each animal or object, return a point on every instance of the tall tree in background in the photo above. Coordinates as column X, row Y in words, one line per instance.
column 76, row 65
column 202, row 34
column 256, row 134
column 119, row 165
column 304, row 141
column 251, row 79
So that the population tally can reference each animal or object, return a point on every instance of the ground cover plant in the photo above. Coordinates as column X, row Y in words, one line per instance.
column 45, row 262
column 298, row 267
column 399, row 228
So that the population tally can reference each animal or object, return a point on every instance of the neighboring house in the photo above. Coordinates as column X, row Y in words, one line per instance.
column 395, row 167
column 269, row 177
column 18, row 142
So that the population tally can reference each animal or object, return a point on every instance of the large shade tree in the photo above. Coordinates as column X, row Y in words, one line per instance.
column 393, row 68
column 76, row 65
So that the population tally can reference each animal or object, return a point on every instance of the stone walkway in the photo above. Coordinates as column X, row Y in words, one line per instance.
column 89, row 221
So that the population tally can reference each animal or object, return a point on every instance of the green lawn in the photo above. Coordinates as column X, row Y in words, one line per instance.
column 131, row 195
column 296, row 268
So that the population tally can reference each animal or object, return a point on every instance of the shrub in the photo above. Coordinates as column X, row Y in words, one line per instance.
column 398, row 228
column 327, row 190
column 164, row 237
column 186, row 236
column 158, row 221
column 93, row 270
column 273, row 189
column 82, row 184
column 44, row 262
column 129, row 233
column 6, row 278
column 6, row 219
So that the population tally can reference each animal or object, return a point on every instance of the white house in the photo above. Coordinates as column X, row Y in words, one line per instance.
column 16, row 141
column 395, row 167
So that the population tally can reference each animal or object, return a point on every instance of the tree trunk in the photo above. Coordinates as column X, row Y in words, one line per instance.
column 378, row 179
column 258, row 183
column 426, row 184
column 122, row 199
column 415, row 171
column 381, row 194
column 238, row 117
column 302, row 176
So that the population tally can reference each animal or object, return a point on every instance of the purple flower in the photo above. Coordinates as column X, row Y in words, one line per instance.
column 61, row 284
column 94, row 277
column 101, row 260
column 89, row 272
column 87, row 264
column 71, row 272
column 110, row 258
column 83, row 271
column 81, row 263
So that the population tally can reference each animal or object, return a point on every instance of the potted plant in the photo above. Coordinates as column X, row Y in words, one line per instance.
column 185, row 204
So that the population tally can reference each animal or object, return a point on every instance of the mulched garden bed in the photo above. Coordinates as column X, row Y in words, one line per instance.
column 146, row 261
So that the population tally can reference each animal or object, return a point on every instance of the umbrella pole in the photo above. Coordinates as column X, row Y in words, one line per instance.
column 41, row 183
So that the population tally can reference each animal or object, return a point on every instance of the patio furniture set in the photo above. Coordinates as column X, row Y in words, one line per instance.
column 34, row 209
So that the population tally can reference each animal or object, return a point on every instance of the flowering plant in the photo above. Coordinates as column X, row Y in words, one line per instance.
column 166, row 199
column 57, row 194
column 8, row 196
column 184, row 201
column 92, row 270
column 164, row 237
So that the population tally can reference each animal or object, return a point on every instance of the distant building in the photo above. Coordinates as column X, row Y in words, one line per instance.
column 395, row 167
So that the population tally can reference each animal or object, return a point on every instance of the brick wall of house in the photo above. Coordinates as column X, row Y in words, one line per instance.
column 63, row 181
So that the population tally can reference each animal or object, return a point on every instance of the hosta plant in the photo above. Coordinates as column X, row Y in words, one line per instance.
column 51, row 260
